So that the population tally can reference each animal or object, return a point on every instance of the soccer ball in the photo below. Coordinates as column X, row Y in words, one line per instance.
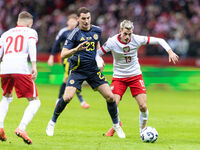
column 149, row 135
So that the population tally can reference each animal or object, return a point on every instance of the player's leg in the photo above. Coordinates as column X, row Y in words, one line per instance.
column 4, row 105
column 142, row 102
column 63, row 101
column 7, row 84
column 25, row 87
column 118, row 87
column 138, row 91
column 106, row 92
column 66, row 66
column 29, row 113
column 111, row 131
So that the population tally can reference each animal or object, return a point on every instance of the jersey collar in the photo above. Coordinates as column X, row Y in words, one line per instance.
column 121, row 41
column 19, row 26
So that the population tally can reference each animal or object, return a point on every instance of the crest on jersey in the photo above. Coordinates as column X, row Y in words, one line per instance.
column 82, row 39
column 71, row 81
column 95, row 36
column 126, row 49
column 66, row 41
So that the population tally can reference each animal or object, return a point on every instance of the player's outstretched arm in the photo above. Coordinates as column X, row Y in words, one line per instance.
column 173, row 57
column 65, row 53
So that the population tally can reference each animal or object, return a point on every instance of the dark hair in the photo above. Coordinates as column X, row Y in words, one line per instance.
column 25, row 15
column 82, row 10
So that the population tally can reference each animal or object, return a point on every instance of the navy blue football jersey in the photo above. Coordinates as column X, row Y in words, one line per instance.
column 84, row 59
column 60, row 40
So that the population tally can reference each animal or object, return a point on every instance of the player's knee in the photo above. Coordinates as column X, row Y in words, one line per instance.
column 110, row 98
column 143, row 107
column 67, row 98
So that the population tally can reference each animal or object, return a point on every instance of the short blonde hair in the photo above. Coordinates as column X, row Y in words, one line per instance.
column 72, row 16
column 25, row 15
column 127, row 24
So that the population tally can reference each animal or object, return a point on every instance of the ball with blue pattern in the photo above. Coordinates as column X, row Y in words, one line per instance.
column 149, row 135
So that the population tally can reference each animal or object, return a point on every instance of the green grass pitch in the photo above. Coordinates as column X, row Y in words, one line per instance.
column 175, row 115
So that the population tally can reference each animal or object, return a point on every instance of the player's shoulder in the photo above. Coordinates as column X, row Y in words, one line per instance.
column 113, row 38
column 63, row 31
column 96, row 28
column 73, row 33
column 137, row 37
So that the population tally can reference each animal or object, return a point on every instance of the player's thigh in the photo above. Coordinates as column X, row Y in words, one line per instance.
column 69, row 93
column 76, row 79
column 118, row 87
column 96, row 79
column 136, row 85
column 7, row 84
column 106, row 92
column 25, row 86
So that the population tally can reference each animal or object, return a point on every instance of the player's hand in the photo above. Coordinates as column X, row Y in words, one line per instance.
column 173, row 57
column 81, row 46
column 102, row 68
column 34, row 74
column 51, row 60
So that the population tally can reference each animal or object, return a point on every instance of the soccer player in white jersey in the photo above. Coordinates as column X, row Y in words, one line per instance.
column 127, row 73
column 15, row 46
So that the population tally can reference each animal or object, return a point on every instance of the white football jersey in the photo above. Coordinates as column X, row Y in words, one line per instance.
column 125, row 55
column 15, row 46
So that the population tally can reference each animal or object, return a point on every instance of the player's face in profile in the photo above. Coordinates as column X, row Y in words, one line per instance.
column 125, row 35
column 72, row 23
column 84, row 21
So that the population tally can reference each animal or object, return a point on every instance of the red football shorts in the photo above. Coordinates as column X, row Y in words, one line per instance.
column 24, row 85
column 136, row 84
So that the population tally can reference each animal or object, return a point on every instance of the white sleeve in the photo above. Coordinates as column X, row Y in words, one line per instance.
column 162, row 42
column 99, row 61
column 1, row 48
column 141, row 40
column 32, row 50
column 107, row 46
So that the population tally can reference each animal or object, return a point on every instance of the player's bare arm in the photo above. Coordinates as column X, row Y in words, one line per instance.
column 51, row 60
column 34, row 70
column 65, row 53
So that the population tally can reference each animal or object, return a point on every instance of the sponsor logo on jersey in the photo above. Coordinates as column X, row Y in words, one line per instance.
column 71, row 81
column 88, row 38
column 95, row 36
column 82, row 39
column 126, row 49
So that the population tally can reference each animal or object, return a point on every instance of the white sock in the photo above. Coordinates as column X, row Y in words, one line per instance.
column 143, row 117
column 30, row 111
column 4, row 104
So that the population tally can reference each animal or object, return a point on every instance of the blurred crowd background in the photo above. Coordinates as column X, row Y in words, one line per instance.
column 177, row 21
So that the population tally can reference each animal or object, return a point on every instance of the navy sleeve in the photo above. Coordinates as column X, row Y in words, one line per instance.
column 56, row 46
column 69, row 44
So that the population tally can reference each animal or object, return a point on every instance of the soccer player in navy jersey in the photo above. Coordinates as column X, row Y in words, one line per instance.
column 60, row 39
column 81, row 46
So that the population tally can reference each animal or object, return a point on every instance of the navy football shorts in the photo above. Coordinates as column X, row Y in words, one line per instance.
column 94, row 79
